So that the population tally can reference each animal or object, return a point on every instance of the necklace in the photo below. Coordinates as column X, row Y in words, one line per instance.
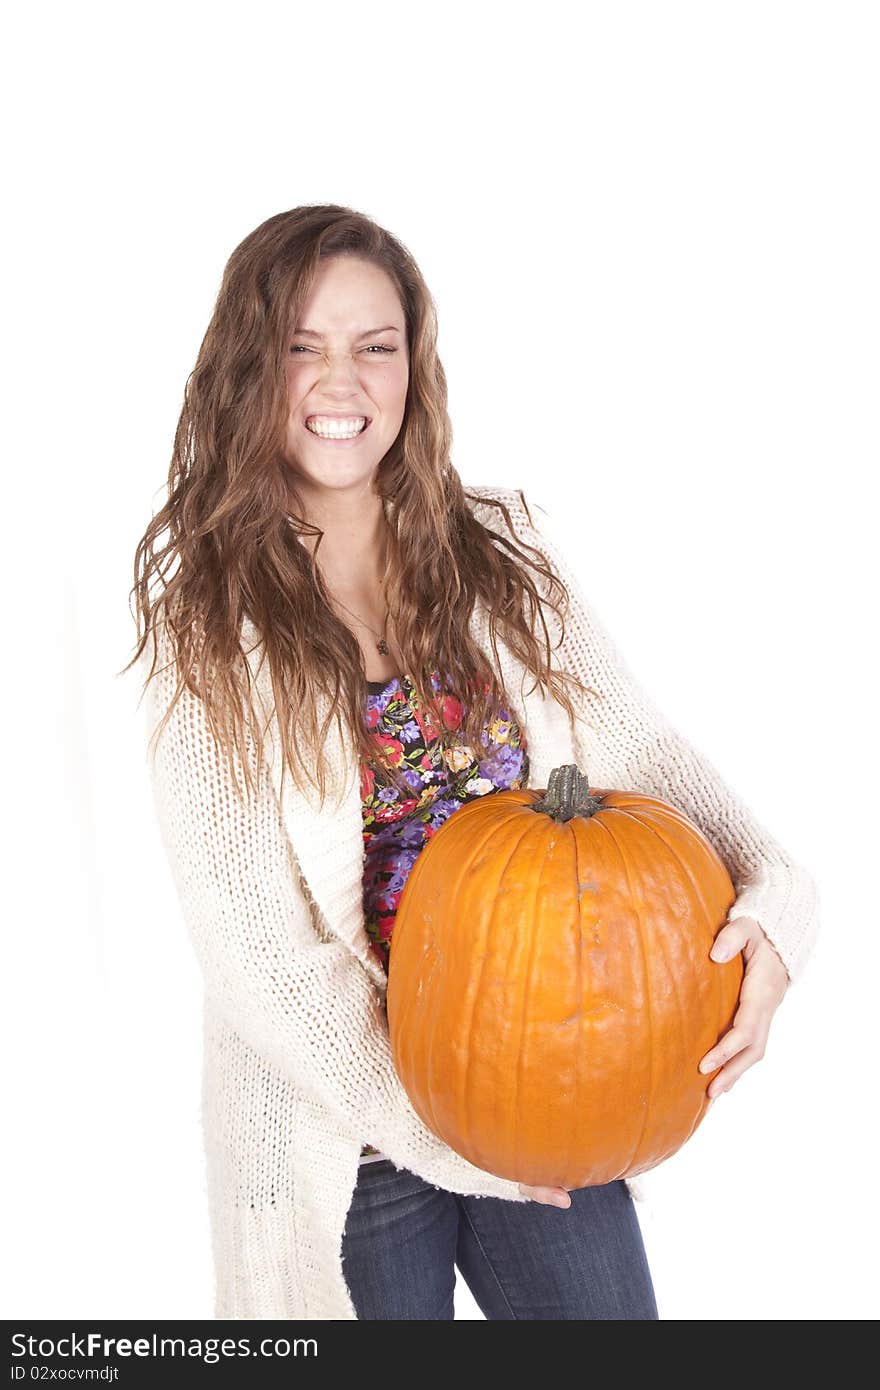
column 381, row 645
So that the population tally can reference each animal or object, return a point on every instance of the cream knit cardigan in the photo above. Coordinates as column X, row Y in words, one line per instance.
column 297, row 1063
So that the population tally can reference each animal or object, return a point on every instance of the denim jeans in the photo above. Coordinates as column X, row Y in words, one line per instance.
column 403, row 1239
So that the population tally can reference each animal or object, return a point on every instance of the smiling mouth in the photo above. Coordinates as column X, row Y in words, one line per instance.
column 326, row 429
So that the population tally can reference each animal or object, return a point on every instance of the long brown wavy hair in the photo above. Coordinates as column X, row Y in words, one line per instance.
column 224, row 546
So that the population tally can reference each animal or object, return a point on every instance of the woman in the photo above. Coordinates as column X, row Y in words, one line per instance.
column 322, row 607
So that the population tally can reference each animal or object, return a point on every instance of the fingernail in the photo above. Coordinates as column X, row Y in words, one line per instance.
column 562, row 1201
column 719, row 953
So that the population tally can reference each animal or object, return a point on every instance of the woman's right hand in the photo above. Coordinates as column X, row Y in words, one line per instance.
column 552, row 1196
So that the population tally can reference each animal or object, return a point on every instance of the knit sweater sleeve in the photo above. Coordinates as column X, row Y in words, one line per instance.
column 306, row 1005
column 624, row 741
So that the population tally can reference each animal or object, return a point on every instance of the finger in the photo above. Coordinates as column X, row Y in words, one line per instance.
column 554, row 1196
column 730, row 1074
column 733, row 937
column 757, row 1003
column 549, row 1196
column 747, row 1029
column 765, row 979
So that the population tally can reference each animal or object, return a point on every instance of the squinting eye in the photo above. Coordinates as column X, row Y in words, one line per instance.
column 374, row 347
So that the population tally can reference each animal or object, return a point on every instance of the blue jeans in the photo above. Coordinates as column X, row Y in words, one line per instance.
column 403, row 1239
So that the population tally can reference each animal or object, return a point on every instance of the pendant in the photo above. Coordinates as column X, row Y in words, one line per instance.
column 382, row 646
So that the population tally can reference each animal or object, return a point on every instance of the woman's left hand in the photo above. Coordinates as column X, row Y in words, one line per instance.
column 765, row 981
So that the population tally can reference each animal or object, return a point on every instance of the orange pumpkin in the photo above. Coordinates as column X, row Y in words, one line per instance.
column 550, row 991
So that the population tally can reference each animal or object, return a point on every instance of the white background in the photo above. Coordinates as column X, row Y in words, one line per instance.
column 651, row 232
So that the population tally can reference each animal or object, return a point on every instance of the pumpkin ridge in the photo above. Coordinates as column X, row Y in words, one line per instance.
column 649, row 825
column 520, row 1062
column 719, row 991
column 580, row 994
column 671, row 972
column 429, row 1051
column 484, row 953
column 647, row 982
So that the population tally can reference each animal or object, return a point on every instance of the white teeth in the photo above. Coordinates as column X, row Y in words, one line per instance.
column 336, row 429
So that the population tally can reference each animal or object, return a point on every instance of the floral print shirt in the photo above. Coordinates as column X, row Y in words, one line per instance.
column 397, row 827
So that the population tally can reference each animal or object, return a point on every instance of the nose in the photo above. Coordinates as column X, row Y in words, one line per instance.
column 338, row 365
column 337, row 383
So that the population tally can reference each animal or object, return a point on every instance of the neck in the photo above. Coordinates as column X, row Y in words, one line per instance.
column 353, row 546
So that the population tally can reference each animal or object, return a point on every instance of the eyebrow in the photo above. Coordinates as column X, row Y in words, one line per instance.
column 368, row 333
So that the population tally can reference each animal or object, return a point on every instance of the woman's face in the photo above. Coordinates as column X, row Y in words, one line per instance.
column 347, row 362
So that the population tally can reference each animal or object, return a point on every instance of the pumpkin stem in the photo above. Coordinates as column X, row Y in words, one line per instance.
column 567, row 795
